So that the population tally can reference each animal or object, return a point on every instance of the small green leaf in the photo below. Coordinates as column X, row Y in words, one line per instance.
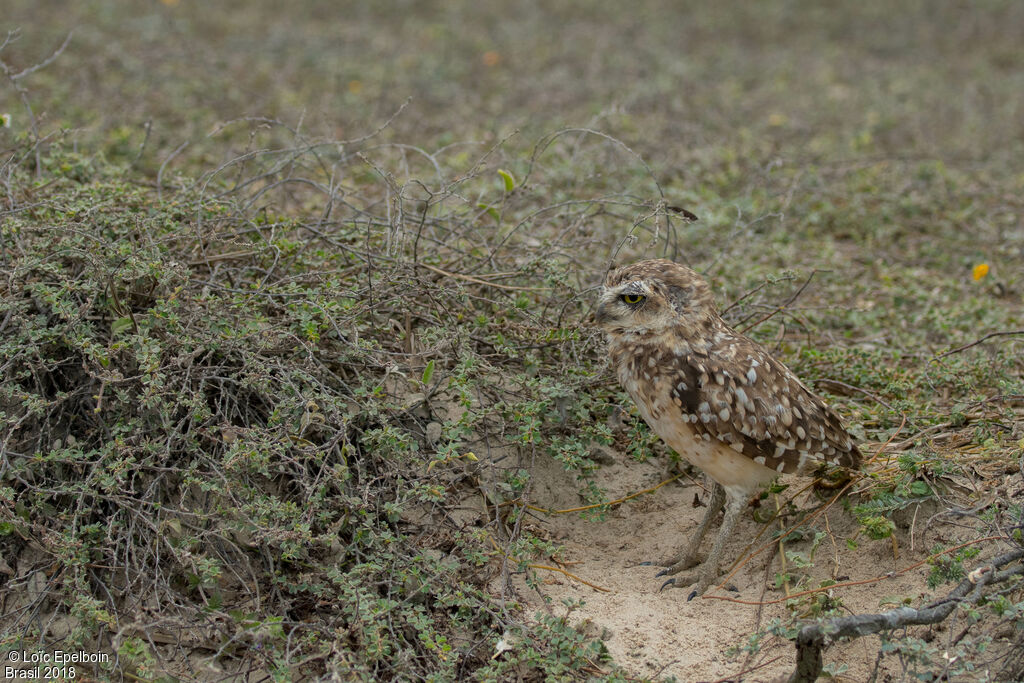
column 920, row 489
column 120, row 325
column 510, row 181
column 877, row 527
column 428, row 372
column 491, row 211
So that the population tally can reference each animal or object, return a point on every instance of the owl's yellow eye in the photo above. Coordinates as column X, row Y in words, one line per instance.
column 632, row 299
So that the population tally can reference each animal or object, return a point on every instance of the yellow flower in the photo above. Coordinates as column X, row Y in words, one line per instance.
column 5, row 120
column 980, row 271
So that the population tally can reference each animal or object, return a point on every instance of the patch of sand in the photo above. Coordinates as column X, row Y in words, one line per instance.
column 656, row 634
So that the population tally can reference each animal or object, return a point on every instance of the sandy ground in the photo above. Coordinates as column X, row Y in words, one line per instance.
column 656, row 634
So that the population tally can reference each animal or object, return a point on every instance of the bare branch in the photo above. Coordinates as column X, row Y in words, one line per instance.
column 46, row 62
column 784, row 304
column 978, row 341
column 811, row 639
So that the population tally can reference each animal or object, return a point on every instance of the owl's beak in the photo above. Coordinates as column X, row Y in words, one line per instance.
column 600, row 316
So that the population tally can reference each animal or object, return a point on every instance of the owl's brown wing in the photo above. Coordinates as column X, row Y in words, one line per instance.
column 737, row 393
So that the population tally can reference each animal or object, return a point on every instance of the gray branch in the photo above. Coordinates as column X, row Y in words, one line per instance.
column 811, row 639
column 46, row 62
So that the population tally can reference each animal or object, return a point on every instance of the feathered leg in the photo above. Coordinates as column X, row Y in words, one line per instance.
column 708, row 573
column 691, row 555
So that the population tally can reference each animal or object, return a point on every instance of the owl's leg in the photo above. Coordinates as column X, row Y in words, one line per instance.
column 691, row 555
column 708, row 573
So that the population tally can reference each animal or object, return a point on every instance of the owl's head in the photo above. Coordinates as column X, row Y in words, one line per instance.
column 649, row 297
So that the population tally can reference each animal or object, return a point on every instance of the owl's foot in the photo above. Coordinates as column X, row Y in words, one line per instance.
column 679, row 562
column 708, row 572
column 699, row 581
column 690, row 556
column 703, row 577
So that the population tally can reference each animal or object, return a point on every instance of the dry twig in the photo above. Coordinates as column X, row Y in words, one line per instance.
column 812, row 637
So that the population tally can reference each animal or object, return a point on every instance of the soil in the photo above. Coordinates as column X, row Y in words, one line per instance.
column 654, row 633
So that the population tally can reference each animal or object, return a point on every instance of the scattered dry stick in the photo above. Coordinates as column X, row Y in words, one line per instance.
column 549, row 568
column 1009, row 333
column 570, row 575
column 479, row 281
column 861, row 582
column 784, row 304
column 610, row 504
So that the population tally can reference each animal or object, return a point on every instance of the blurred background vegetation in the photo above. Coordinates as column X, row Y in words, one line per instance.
column 264, row 289
column 938, row 80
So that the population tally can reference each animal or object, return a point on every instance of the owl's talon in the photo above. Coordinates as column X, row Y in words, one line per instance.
column 663, row 572
column 676, row 567
column 692, row 595
column 683, row 581
column 683, row 560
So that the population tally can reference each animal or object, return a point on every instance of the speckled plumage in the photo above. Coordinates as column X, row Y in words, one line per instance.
column 715, row 396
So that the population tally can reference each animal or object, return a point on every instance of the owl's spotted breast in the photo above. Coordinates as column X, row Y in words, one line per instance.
column 737, row 394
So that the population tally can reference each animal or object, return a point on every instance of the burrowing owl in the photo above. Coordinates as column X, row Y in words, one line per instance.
column 715, row 396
